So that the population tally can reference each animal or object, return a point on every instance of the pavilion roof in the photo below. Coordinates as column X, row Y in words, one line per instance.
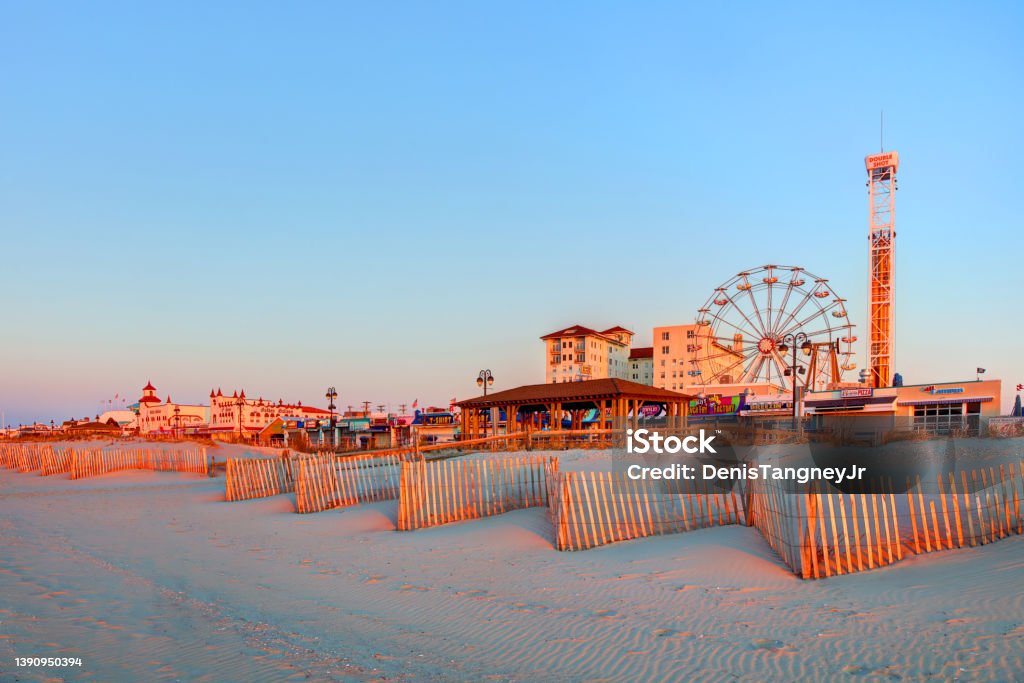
column 572, row 392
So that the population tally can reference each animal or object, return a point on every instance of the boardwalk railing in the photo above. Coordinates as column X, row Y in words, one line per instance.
column 325, row 482
column 596, row 508
column 247, row 478
column 517, row 441
column 96, row 462
column 445, row 491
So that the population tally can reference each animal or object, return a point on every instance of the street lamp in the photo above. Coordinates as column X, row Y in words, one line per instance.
column 791, row 341
column 486, row 379
column 240, row 403
column 331, row 395
column 177, row 421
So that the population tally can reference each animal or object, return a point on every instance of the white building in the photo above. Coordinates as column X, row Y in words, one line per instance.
column 166, row 417
column 641, row 365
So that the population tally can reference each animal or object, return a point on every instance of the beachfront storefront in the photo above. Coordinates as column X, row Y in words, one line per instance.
column 938, row 408
column 617, row 403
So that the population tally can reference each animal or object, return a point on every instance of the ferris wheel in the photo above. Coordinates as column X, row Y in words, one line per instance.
column 748, row 328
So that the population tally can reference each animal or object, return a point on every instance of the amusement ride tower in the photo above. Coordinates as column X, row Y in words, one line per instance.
column 881, row 183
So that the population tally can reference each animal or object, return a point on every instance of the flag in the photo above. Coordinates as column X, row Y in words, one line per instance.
column 415, row 403
column 981, row 370
column 1020, row 387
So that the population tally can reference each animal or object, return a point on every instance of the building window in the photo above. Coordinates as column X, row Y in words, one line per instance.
column 690, row 334
column 664, row 350
column 939, row 418
column 664, row 336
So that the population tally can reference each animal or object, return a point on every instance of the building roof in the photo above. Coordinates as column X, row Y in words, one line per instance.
column 110, row 425
column 582, row 330
column 571, row 331
column 642, row 352
column 568, row 392
column 149, row 399
column 149, row 387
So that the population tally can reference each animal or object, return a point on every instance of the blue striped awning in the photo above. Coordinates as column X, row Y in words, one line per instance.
column 947, row 401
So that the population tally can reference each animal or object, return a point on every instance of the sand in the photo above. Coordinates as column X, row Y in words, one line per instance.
column 151, row 576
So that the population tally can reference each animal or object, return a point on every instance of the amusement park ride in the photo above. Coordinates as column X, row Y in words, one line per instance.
column 744, row 324
column 881, row 183
column 745, row 321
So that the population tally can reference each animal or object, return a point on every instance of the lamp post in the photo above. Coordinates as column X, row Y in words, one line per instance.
column 177, row 421
column 791, row 341
column 486, row 379
column 240, row 403
column 331, row 395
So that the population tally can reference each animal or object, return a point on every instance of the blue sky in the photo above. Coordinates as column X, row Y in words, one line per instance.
column 388, row 197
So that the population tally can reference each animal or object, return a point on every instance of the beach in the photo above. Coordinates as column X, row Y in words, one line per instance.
column 152, row 576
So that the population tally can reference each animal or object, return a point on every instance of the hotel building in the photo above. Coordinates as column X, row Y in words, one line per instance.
column 580, row 353
column 239, row 414
column 165, row 417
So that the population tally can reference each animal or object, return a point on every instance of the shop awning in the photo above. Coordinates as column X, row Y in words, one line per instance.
column 947, row 401
column 850, row 402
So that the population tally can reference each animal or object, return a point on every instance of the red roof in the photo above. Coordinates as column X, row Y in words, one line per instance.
column 580, row 330
column 575, row 330
column 308, row 409
column 149, row 399
column 642, row 352
column 149, row 387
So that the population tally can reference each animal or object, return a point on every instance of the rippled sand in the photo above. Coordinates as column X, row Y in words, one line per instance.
column 150, row 576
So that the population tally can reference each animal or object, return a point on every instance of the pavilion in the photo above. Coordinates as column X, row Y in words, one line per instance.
column 616, row 401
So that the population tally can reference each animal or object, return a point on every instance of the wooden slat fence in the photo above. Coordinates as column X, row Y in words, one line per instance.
column 23, row 457
column 325, row 482
column 96, row 462
column 56, row 461
column 596, row 508
column 445, row 491
column 248, row 478
column 819, row 532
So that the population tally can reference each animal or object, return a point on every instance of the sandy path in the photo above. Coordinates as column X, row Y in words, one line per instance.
column 149, row 576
